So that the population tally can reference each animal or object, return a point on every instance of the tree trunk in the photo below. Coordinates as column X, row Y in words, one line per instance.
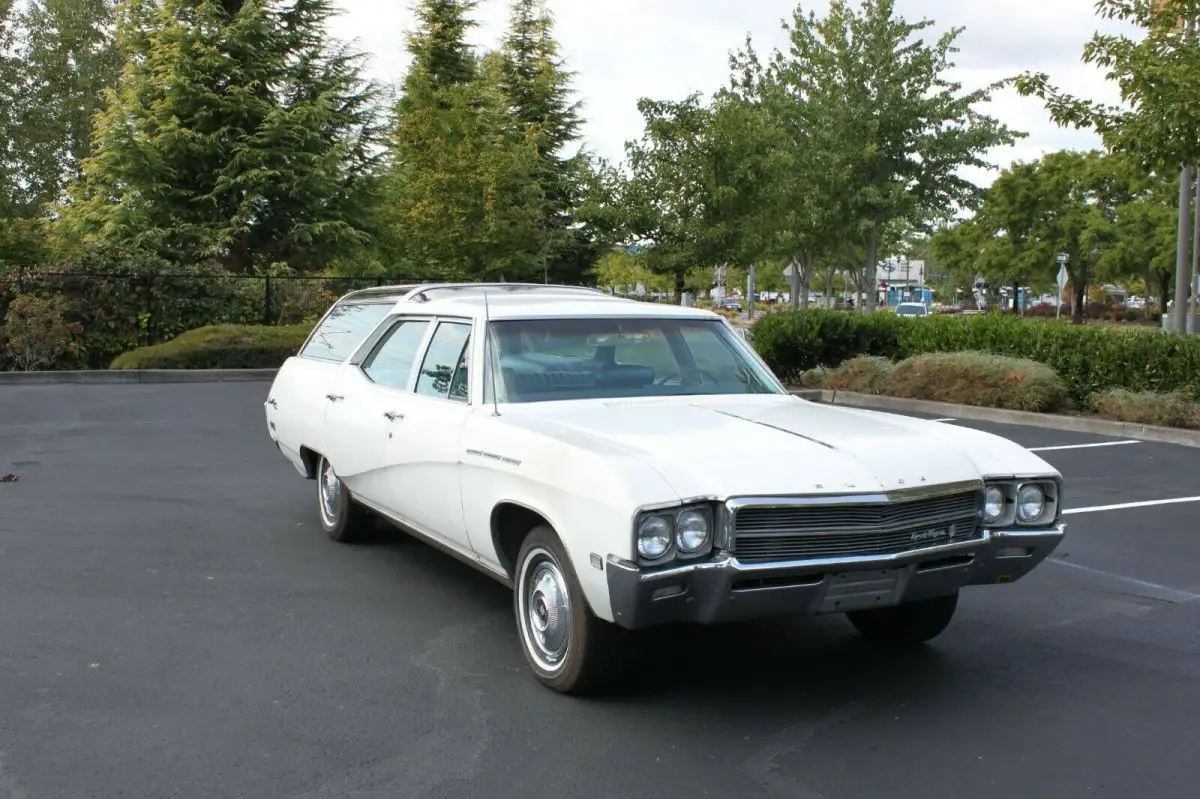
column 870, row 270
column 1016, row 306
column 679, row 288
column 808, row 264
column 1165, row 279
column 1080, row 303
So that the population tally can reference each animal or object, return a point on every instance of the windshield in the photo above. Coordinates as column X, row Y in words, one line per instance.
column 557, row 359
column 911, row 310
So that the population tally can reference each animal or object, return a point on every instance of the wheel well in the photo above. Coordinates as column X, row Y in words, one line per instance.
column 510, row 524
column 310, row 459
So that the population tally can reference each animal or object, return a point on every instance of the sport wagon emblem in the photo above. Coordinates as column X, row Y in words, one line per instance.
column 933, row 534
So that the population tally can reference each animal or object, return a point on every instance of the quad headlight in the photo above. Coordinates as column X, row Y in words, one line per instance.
column 654, row 537
column 1031, row 503
column 1022, row 503
column 685, row 532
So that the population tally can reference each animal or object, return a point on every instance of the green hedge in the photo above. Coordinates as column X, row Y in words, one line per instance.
column 1091, row 358
column 219, row 347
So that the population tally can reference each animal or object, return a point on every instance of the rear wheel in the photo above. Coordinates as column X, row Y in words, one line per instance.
column 906, row 625
column 567, row 646
column 343, row 519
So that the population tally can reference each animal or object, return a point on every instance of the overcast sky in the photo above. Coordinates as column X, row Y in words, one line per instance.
column 625, row 49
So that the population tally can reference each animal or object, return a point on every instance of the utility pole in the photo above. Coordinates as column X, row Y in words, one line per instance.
column 1183, row 261
column 1190, row 311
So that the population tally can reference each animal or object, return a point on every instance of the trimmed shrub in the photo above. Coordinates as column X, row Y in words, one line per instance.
column 1090, row 358
column 815, row 378
column 865, row 374
column 220, row 347
column 1175, row 409
column 978, row 378
column 796, row 341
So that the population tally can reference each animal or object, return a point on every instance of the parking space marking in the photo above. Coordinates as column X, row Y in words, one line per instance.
column 943, row 420
column 1127, row 505
column 1085, row 446
column 1168, row 593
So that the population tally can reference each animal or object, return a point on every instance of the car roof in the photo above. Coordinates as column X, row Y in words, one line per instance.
column 517, row 301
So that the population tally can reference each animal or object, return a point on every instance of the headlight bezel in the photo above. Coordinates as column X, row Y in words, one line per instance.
column 671, row 515
column 1010, row 488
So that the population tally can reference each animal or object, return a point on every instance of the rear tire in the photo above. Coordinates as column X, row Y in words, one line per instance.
column 342, row 519
column 906, row 625
column 568, row 648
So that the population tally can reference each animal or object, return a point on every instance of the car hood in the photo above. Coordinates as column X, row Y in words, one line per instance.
column 773, row 445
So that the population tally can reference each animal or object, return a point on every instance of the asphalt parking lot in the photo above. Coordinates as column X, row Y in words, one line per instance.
column 173, row 623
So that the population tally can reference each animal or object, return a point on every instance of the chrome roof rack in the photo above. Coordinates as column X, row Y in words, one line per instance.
column 396, row 292
column 421, row 293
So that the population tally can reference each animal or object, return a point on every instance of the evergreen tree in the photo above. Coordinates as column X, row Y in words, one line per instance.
column 460, row 199
column 239, row 131
column 536, row 85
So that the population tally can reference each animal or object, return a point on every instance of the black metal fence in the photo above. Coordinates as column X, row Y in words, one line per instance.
column 118, row 312
column 164, row 305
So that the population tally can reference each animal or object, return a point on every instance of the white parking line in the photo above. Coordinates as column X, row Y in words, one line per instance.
column 1085, row 446
column 943, row 420
column 1172, row 594
column 1128, row 505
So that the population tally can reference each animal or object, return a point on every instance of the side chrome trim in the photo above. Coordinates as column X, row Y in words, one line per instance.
column 457, row 553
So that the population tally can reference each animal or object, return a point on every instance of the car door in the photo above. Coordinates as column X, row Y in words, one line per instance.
column 367, row 404
column 425, row 452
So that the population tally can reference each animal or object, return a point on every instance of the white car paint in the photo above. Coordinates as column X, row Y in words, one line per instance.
column 442, row 467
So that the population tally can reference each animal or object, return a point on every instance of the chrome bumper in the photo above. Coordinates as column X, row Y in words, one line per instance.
column 724, row 589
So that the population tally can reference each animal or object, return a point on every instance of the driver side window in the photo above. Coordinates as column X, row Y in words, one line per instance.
column 391, row 364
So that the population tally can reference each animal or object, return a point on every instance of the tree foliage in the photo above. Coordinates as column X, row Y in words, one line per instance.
column 1098, row 209
column 68, row 58
column 239, row 131
column 1157, row 123
column 461, row 198
column 537, row 87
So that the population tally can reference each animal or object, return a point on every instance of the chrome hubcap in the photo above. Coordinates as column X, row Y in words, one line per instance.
column 331, row 487
column 546, row 622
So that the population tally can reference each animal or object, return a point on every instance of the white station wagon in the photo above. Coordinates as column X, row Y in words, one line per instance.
column 622, row 464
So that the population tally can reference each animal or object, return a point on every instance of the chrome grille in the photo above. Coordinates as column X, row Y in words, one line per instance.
column 797, row 532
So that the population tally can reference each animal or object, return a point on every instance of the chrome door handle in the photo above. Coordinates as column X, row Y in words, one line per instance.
column 392, row 416
column 334, row 397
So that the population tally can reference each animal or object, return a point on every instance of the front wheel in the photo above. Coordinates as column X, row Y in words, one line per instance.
column 568, row 647
column 906, row 625
column 343, row 519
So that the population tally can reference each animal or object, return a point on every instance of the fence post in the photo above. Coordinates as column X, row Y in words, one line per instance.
column 149, row 332
column 266, row 317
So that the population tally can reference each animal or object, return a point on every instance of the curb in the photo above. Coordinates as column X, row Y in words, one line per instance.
column 1075, row 424
column 131, row 376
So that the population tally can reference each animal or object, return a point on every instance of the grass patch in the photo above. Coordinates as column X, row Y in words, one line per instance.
column 219, row 347
column 962, row 378
column 1174, row 409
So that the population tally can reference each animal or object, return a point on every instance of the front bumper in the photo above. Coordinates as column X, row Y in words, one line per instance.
column 723, row 589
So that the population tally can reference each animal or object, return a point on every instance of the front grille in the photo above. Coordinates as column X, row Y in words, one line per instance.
column 798, row 532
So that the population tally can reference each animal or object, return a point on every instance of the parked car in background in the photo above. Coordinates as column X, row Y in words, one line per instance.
column 730, row 304
column 912, row 309
column 575, row 447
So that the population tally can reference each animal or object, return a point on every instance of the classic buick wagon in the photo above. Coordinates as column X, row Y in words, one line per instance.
column 577, row 447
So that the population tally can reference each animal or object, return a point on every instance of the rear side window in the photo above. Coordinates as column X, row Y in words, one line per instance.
column 347, row 326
